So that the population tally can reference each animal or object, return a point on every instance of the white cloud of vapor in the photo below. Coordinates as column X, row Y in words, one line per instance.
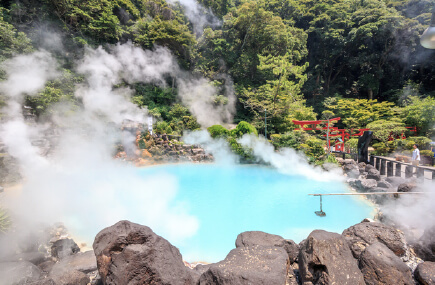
column 198, row 15
column 218, row 147
column 80, row 183
column 287, row 160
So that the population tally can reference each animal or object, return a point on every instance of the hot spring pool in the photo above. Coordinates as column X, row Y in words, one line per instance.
column 228, row 200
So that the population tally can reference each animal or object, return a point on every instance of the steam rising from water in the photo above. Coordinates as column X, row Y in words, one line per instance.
column 287, row 160
column 80, row 183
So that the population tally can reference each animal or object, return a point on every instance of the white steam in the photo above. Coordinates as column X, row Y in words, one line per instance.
column 80, row 183
column 199, row 96
column 198, row 15
column 219, row 148
column 413, row 213
column 287, row 160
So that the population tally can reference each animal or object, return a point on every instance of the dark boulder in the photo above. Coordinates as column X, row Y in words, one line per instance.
column 395, row 181
column 251, row 265
column 45, row 281
column 20, row 272
column 128, row 253
column 368, row 167
column 325, row 258
column 349, row 161
column 363, row 185
column 46, row 266
column 354, row 173
column 362, row 165
column 406, row 187
column 254, row 238
column 64, row 247
column 69, row 277
column 32, row 257
column 380, row 265
column 384, row 184
column 84, row 262
column 362, row 235
column 349, row 167
column 425, row 246
column 425, row 273
column 374, row 174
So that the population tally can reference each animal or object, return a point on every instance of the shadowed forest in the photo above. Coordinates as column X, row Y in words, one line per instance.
column 298, row 60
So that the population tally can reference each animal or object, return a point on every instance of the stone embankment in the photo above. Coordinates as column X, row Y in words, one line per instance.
column 155, row 149
column 129, row 253
column 366, row 178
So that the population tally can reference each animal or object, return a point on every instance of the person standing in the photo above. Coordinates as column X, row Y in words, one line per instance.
column 415, row 160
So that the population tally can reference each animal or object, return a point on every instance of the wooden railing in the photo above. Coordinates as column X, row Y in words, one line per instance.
column 391, row 167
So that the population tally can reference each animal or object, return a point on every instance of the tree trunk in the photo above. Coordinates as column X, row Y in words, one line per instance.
column 370, row 92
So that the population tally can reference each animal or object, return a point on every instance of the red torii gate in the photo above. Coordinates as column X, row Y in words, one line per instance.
column 333, row 131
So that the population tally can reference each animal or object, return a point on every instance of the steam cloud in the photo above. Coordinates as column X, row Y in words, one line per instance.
column 197, row 14
column 80, row 183
column 287, row 160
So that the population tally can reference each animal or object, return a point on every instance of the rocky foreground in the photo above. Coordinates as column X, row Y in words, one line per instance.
column 128, row 253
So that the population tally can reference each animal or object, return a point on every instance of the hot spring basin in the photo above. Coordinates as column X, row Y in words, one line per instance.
column 228, row 200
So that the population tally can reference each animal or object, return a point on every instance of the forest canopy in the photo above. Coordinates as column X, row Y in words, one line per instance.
column 288, row 60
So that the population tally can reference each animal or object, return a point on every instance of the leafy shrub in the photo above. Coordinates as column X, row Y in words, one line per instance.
column 5, row 221
column 242, row 129
column 244, row 152
column 217, row 131
column 380, row 149
column 427, row 153
column 291, row 139
column 142, row 144
column 313, row 148
column 423, row 142
column 352, row 145
column 168, row 130
column 161, row 127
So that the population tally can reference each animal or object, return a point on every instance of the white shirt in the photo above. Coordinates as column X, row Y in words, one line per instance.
column 416, row 154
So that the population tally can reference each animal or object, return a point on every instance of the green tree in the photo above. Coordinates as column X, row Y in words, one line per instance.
column 280, row 95
column 11, row 41
column 357, row 113
column 383, row 129
column 420, row 112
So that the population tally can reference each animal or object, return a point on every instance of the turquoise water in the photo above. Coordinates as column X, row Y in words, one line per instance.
column 228, row 200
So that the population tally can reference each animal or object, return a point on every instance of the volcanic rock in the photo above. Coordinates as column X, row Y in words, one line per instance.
column 84, row 262
column 368, row 167
column 349, row 161
column 349, row 167
column 380, row 265
column 196, row 151
column 32, row 257
column 362, row 165
column 69, row 277
column 425, row 246
column 363, row 185
column 395, row 181
column 45, row 281
column 64, row 247
column 325, row 258
column 251, row 265
column 406, row 187
column 253, row 238
column 354, row 173
column 128, row 253
column 20, row 272
column 384, row 184
column 374, row 174
column 362, row 235
column 425, row 273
